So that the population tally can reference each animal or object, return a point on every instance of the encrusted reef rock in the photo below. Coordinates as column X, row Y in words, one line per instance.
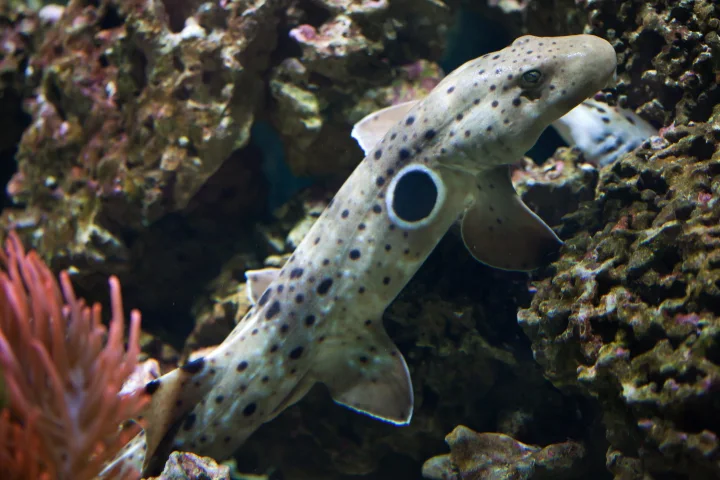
column 494, row 456
column 338, row 54
column 138, row 104
column 188, row 466
column 632, row 314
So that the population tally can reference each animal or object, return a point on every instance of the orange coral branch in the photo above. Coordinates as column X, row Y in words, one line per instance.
column 62, row 378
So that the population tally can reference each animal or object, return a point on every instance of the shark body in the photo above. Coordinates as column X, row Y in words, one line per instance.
column 319, row 318
column 603, row 133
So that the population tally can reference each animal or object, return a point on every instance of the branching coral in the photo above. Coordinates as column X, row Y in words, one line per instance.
column 63, row 381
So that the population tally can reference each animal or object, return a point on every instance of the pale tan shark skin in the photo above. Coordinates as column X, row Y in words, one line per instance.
column 320, row 317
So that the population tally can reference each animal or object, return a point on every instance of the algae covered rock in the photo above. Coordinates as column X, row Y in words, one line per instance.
column 632, row 318
column 494, row 456
column 138, row 104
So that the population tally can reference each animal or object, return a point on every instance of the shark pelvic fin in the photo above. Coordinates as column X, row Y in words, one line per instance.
column 501, row 231
column 371, row 129
column 258, row 281
column 368, row 375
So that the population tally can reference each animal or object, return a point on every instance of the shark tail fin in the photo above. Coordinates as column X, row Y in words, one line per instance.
column 365, row 372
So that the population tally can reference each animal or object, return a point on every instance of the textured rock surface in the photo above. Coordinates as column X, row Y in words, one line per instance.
column 631, row 315
column 494, row 456
column 348, row 50
column 137, row 105
column 187, row 466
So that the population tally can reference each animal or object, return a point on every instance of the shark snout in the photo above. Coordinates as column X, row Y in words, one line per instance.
column 590, row 64
column 601, row 59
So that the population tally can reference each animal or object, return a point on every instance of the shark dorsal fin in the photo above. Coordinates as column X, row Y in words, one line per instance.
column 258, row 281
column 371, row 129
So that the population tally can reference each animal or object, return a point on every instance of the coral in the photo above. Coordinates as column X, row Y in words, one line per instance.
column 631, row 316
column 489, row 456
column 348, row 50
column 63, row 380
column 188, row 466
column 138, row 105
column 557, row 187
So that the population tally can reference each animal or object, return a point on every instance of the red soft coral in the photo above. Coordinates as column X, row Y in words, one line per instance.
column 62, row 379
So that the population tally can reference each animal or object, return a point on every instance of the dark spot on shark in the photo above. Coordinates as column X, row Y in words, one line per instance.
column 363, row 359
column 274, row 348
column 265, row 379
column 309, row 320
column 354, row 254
column 361, row 290
column 194, row 367
column 377, row 208
column 345, row 213
column 242, row 366
column 516, row 101
column 265, row 296
column 272, row 310
column 378, row 154
column 605, row 120
column 284, row 328
column 451, row 89
column 299, row 298
column 430, row 134
column 404, row 154
column 189, row 422
column 296, row 353
column 296, row 273
column 361, row 226
column 459, row 117
column 324, row 286
column 494, row 104
column 393, row 136
column 280, row 288
column 380, row 181
column 249, row 409
column 317, row 240
column 386, row 281
column 152, row 386
column 219, row 399
column 326, row 262
column 410, row 121
column 388, row 247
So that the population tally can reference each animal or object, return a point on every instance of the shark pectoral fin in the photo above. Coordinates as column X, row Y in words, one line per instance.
column 501, row 231
column 371, row 129
column 258, row 281
column 368, row 375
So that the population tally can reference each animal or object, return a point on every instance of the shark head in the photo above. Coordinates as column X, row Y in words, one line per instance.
column 512, row 95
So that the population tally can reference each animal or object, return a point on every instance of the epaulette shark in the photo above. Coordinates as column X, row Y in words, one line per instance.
column 319, row 317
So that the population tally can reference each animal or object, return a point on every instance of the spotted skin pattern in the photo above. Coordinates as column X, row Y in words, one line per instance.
column 320, row 318
column 603, row 133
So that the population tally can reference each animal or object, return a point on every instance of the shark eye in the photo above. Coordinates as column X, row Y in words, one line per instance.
column 414, row 197
column 531, row 77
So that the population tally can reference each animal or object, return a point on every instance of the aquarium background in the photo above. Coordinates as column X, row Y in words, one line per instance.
column 179, row 143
